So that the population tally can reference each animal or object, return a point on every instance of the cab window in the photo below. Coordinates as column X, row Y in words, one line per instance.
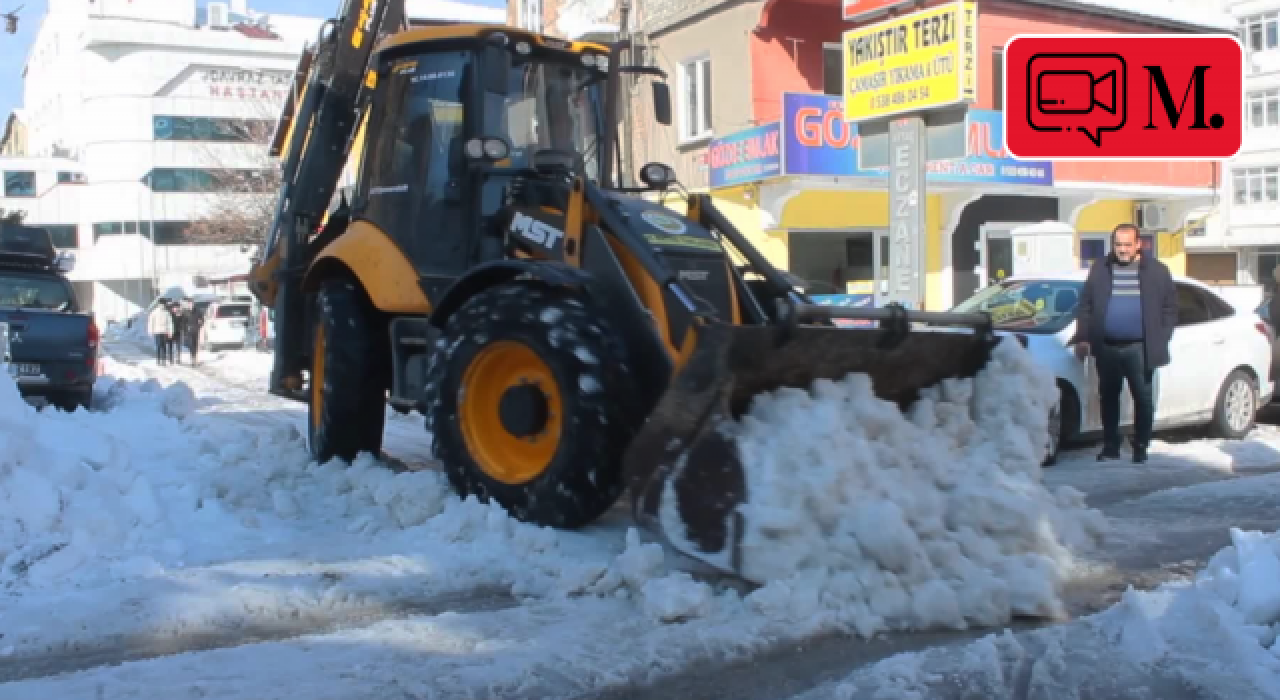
column 412, row 156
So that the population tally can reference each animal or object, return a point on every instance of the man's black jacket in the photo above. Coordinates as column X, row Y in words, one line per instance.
column 1159, row 307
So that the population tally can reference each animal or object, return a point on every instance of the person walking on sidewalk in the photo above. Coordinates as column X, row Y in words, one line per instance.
column 195, row 332
column 1126, row 316
column 160, row 326
column 175, row 340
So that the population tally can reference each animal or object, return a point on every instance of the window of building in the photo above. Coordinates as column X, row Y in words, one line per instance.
column 207, row 180
column 531, row 15
column 19, row 183
column 1092, row 248
column 165, row 232
column 1268, row 260
column 172, row 232
column 1260, row 32
column 107, row 228
column 695, row 99
column 226, row 130
column 997, row 79
column 1263, row 109
column 832, row 69
column 63, row 235
column 68, row 178
column 1256, row 185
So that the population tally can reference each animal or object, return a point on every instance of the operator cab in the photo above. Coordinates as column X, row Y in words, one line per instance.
column 460, row 128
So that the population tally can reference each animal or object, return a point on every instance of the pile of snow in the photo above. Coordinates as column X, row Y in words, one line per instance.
column 890, row 521
column 877, row 521
column 1214, row 636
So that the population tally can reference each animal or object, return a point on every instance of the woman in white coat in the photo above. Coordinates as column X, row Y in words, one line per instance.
column 160, row 326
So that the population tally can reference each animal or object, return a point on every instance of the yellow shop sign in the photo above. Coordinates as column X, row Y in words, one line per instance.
column 915, row 62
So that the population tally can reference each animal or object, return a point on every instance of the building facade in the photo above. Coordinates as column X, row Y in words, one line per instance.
column 143, row 124
column 1240, row 239
column 760, row 122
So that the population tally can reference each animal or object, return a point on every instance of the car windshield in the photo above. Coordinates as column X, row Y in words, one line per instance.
column 1030, row 306
column 550, row 105
column 33, row 292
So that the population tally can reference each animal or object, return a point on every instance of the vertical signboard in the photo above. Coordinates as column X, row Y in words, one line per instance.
column 906, row 212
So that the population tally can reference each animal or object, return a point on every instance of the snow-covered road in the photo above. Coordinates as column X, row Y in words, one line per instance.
column 184, row 516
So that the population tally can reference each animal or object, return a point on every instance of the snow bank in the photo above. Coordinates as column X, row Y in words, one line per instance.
column 891, row 521
column 1214, row 636
column 198, row 497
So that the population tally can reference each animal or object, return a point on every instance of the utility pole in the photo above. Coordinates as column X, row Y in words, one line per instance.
column 624, row 34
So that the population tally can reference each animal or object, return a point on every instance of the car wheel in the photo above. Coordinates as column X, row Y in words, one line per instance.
column 1063, row 418
column 1236, row 407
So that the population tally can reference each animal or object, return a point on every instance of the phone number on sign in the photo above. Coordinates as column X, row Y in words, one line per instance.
column 896, row 98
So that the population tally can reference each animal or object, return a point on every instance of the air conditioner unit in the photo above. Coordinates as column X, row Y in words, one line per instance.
column 219, row 15
column 1151, row 216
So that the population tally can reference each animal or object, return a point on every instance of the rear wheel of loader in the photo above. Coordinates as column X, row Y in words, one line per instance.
column 526, row 405
column 347, row 400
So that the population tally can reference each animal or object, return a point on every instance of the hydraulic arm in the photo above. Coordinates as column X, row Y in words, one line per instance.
column 317, row 129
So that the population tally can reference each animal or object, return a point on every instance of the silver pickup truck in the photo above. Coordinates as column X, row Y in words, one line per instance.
column 52, row 343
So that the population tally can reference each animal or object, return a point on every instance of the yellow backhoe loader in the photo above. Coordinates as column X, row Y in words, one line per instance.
column 566, row 338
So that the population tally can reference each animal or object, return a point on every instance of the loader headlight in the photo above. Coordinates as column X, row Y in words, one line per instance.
column 523, row 48
column 492, row 149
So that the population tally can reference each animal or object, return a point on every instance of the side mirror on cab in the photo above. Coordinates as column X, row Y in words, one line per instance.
column 661, row 103
column 657, row 176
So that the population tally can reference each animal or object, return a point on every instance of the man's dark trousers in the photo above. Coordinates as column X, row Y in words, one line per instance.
column 1117, row 364
column 162, row 348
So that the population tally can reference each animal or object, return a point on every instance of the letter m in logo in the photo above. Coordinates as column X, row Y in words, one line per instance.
column 1157, row 85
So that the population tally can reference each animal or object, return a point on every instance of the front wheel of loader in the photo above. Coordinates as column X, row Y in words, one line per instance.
column 525, row 404
column 346, row 406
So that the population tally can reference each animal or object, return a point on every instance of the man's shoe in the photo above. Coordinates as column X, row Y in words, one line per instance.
column 1107, row 455
column 1139, row 455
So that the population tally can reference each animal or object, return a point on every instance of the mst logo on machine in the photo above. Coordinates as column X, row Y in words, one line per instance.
column 535, row 231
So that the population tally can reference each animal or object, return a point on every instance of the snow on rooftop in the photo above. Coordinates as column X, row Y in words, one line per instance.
column 296, row 29
column 1184, row 11
column 454, row 11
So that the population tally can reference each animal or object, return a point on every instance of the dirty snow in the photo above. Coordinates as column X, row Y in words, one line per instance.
column 1211, row 637
column 187, row 509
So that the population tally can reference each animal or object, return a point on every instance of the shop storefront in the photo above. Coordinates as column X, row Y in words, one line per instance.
column 813, row 210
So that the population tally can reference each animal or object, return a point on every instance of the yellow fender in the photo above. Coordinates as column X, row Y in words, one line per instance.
column 377, row 263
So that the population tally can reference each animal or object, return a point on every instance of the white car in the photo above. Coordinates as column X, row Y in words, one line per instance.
column 226, row 324
column 1218, row 376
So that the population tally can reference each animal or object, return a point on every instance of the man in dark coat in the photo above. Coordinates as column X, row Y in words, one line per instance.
column 175, row 340
column 1126, row 316
column 195, row 324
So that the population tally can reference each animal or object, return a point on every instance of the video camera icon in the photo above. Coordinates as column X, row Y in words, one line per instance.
column 1083, row 92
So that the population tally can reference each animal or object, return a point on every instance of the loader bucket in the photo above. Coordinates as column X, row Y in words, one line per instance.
column 686, row 478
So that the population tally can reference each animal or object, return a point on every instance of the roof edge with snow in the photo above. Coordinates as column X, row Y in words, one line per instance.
column 1159, row 12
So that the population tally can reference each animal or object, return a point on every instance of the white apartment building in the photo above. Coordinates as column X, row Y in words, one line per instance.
column 143, row 122
column 1240, row 241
